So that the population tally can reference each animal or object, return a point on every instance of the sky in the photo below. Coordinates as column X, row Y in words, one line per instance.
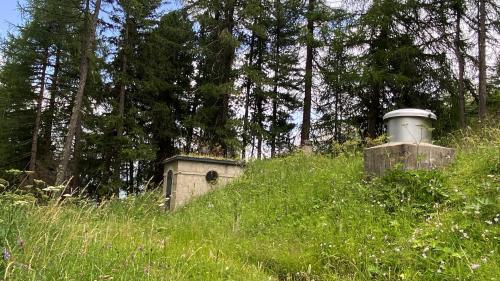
column 8, row 15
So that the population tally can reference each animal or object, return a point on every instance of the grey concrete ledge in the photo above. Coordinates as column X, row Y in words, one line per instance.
column 203, row 160
column 411, row 156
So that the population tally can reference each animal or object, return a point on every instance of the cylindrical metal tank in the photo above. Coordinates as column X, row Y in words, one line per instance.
column 409, row 125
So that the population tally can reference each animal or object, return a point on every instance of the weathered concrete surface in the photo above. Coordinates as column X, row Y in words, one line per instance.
column 380, row 158
column 189, row 179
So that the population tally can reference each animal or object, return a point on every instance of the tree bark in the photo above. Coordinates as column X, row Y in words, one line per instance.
column 306, row 118
column 373, row 113
column 121, row 101
column 75, row 184
column 259, row 99
column 274, row 121
column 275, row 90
column 336, row 131
column 227, row 58
column 130, row 177
column 84, row 66
column 482, row 59
column 36, row 129
column 461, row 68
column 248, row 86
column 54, row 90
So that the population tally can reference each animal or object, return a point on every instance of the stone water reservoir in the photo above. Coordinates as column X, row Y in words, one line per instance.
column 410, row 144
column 187, row 177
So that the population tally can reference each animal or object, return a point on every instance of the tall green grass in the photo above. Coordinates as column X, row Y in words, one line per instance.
column 293, row 218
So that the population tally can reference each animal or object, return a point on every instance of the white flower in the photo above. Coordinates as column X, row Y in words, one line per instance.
column 474, row 266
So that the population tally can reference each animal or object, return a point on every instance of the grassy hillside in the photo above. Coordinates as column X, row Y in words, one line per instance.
column 293, row 218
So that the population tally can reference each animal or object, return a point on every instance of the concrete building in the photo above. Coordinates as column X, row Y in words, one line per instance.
column 187, row 177
column 410, row 144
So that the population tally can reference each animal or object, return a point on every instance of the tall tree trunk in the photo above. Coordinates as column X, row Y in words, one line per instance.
column 54, row 90
column 227, row 62
column 130, row 177
column 36, row 129
column 248, row 86
column 252, row 154
column 274, row 121
column 260, row 100
column 190, row 130
column 373, row 113
column 274, row 117
column 336, row 118
column 75, row 183
column 482, row 59
column 461, row 68
column 121, row 101
column 84, row 66
column 306, row 119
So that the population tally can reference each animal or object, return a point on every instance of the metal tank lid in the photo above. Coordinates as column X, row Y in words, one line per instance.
column 410, row 112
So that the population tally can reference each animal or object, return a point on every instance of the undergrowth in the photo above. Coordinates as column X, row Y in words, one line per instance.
column 293, row 218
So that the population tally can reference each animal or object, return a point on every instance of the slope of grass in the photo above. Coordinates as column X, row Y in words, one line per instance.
column 292, row 218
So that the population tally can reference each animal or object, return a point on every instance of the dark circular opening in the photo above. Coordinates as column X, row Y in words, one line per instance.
column 212, row 177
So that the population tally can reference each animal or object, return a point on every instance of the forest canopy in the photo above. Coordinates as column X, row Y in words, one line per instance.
column 95, row 94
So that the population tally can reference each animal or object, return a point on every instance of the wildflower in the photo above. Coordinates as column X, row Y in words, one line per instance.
column 474, row 266
column 489, row 222
column 5, row 254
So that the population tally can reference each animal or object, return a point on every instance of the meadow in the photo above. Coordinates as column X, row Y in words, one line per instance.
column 292, row 218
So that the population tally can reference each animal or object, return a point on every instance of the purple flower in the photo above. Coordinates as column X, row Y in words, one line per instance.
column 5, row 255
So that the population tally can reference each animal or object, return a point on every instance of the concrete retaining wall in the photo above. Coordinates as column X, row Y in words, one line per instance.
column 410, row 156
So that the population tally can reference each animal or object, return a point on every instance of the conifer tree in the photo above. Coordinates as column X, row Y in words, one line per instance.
column 87, row 50
column 283, row 61
column 216, row 76
column 306, row 119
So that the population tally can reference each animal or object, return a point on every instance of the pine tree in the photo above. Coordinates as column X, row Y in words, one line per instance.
column 306, row 119
column 41, row 39
column 283, row 61
column 87, row 49
column 165, row 85
column 134, row 19
column 216, row 77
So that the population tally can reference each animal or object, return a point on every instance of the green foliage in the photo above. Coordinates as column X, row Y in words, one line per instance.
column 418, row 191
column 292, row 218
